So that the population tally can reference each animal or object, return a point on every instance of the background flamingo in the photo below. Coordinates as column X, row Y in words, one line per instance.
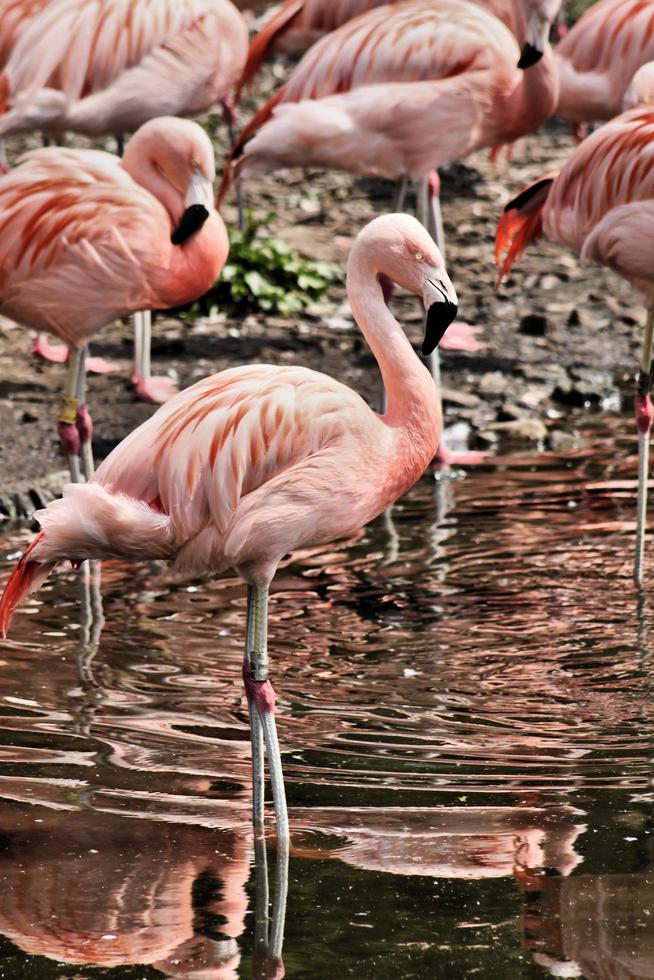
column 297, row 24
column 601, row 204
column 107, row 66
column 599, row 56
column 86, row 238
column 255, row 462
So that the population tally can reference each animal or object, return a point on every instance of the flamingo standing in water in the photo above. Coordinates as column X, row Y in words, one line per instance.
column 599, row 56
column 107, row 66
column 601, row 205
column 86, row 238
column 257, row 461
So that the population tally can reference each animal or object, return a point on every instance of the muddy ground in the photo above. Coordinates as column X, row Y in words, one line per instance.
column 559, row 338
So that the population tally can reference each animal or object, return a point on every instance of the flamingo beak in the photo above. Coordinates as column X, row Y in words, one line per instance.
column 538, row 30
column 441, row 304
column 198, row 206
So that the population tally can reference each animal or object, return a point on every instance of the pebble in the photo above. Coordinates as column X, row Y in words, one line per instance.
column 518, row 430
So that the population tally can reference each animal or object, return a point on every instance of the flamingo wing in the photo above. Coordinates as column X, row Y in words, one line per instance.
column 14, row 14
column 84, row 46
column 228, row 436
column 611, row 168
column 74, row 223
column 412, row 42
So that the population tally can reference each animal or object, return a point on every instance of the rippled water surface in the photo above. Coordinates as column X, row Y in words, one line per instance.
column 465, row 709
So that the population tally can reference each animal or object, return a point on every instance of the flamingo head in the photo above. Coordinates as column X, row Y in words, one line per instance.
column 539, row 16
column 174, row 159
column 403, row 252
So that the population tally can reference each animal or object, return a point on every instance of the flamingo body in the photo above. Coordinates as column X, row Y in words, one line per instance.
column 14, row 14
column 83, row 240
column 107, row 66
column 599, row 56
column 400, row 90
column 298, row 24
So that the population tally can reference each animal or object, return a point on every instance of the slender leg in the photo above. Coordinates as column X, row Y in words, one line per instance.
column 400, row 194
column 83, row 420
column 147, row 387
column 644, row 417
column 68, row 431
column 4, row 162
column 256, row 739
column 120, row 144
column 430, row 215
column 259, row 690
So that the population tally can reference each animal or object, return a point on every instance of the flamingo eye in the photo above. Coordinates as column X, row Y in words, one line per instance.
column 419, row 256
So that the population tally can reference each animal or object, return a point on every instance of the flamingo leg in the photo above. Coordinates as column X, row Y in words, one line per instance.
column 151, row 389
column 256, row 740
column 83, row 420
column 644, row 416
column 120, row 144
column 400, row 194
column 68, row 432
column 430, row 215
column 260, row 692
column 4, row 162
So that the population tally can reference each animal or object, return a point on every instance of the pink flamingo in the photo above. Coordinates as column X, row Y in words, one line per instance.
column 599, row 56
column 297, row 24
column 257, row 461
column 402, row 89
column 600, row 205
column 86, row 238
column 14, row 14
column 107, row 66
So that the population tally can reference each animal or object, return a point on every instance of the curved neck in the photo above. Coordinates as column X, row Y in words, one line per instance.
column 411, row 395
column 142, row 171
column 533, row 100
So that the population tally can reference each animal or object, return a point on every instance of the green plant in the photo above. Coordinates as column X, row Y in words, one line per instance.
column 264, row 273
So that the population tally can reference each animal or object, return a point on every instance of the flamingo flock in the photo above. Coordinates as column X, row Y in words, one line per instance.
column 256, row 461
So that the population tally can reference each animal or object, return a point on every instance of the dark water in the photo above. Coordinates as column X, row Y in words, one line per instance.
column 465, row 709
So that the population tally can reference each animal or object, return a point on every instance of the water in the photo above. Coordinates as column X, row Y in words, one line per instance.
column 465, row 710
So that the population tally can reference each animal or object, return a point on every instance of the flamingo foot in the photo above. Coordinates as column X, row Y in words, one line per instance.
column 99, row 365
column 445, row 457
column 462, row 336
column 56, row 353
column 155, row 389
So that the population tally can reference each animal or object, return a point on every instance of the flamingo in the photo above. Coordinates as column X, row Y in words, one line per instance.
column 257, row 461
column 108, row 66
column 600, row 205
column 14, row 14
column 599, row 56
column 297, row 24
column 86, row 238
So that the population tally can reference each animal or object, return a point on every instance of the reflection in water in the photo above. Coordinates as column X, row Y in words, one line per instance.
column 465, row 709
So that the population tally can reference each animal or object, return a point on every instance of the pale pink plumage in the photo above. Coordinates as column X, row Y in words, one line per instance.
column 599, row 56
column 297, row 24
column 107, row 66
column 402, row 89
column 601, row 204
column 257, row 461
column 14, row 14
column 86, row 237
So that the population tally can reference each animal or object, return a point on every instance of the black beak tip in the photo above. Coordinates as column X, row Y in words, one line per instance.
column 529, row 56
column 439, row 317
column 190, row 222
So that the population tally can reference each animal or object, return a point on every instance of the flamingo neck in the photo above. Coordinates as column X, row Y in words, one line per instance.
column 534, row 99
column 142, row 172
column 411, row 397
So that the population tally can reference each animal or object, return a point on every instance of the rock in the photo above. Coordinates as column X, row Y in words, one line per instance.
column 535, row 396
column 561, row 441
column 518, row 430
column 584, row 318
column 493, row 383
column 534, row 325
column 462, row 399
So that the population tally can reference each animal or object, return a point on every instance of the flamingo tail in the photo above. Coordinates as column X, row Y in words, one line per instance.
column 260, row 46
column 89, row 521
column 521, row 223
column 28, row 576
